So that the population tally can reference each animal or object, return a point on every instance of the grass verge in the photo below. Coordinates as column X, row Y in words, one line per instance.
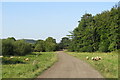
column 29, row 66
column 108, row 66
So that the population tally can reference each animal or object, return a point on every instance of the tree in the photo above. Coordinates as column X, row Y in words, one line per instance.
column 64, row 43
column 40, row 46
column 11, row 38
column 81, row 40
column 7, row 47
column 50, row 44
column 22, row 48
column 97, row 33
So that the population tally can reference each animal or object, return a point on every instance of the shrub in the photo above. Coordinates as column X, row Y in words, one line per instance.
column 7, row 47
column 40, row 46
column 50, row 44
column 22, row 48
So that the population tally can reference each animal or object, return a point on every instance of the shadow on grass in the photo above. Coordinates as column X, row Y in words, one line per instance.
column 37, row 53
column 12, row 61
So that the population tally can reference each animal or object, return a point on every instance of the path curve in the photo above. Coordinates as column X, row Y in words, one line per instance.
column 70, row 67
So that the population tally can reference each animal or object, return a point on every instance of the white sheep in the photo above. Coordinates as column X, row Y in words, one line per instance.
column 11, row 57
column 87, row 58
column 92, row 58
column 1, row 56
column 27, row 59
column 96, row 58
column 100, row 58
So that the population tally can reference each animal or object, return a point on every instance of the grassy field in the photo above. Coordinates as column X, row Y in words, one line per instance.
column 34, row 65
column 107, row 66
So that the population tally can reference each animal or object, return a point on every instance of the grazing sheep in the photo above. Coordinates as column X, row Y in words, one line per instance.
column 96, row 58
column 1, row 56
column 100, row 58
column 87, row 58
column 92, row 58
column 11, row 57
column 27, row 59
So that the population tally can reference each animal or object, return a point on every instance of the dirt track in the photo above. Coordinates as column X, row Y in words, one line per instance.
column 70, row 67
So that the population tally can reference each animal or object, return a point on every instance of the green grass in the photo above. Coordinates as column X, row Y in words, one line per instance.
column 108, row 66
column 18, row 67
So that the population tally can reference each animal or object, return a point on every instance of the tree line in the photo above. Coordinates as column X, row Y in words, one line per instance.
column 11, row 46
column 97, row 33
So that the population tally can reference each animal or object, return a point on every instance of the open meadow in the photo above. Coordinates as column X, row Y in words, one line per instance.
column 29, row 66
column 107, row 66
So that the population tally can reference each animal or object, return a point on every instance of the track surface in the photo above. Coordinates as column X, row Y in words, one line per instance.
column 70, row 67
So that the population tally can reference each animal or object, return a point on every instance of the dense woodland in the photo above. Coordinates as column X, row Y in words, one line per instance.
column 97, row 33
column 94, row 33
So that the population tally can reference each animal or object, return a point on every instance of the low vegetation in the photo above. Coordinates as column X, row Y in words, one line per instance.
column 107, row 65
column 28, row 66
column 47, row 45
column 10, row 46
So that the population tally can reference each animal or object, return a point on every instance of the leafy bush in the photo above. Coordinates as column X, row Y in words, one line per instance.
column 10, row 46
column 7, row 47
column 21, row 47
column 40, row 46
column 50, row 44
column 64, row 43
